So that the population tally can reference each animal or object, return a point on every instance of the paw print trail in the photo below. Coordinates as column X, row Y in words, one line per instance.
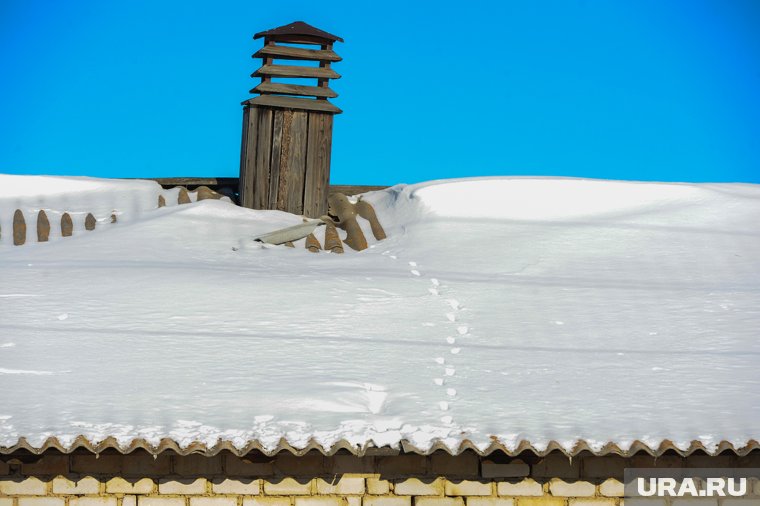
column 458, row 330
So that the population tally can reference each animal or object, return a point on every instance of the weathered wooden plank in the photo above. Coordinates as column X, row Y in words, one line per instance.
column 296, row 167
column 183, row 197
column 303, row 104
column 274, row 168
column 200, row 181
column 294, row 89
column 248, row 158
column 295, row 71
column 282, row 184
column 318, row 164
column 296, row 53
column 263, row 154
column 353, row 189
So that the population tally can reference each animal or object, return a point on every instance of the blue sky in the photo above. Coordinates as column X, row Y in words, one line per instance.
column 645, row 89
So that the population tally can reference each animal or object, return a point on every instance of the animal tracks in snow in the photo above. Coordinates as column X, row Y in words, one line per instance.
column 458, row 331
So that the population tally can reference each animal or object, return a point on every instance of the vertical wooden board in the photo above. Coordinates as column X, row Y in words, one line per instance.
column 248, row 174
column 296, row 166
column 274, row 166
column 263, row 156
column 243, row 147
column 282, row 178
column 318, row 164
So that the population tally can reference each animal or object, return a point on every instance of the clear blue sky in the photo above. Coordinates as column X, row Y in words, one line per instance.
column 638, row 89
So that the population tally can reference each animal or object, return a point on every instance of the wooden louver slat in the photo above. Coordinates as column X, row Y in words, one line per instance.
column 295, row 71
column 294, row 89
column 296, row 53
column 305, row 104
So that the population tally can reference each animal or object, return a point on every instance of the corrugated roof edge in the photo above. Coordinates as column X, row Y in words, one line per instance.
column 370, row 449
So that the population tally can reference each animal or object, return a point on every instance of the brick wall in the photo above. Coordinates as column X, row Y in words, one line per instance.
column 140, row 479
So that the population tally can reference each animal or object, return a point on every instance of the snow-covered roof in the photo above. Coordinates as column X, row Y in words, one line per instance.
column 500, row 313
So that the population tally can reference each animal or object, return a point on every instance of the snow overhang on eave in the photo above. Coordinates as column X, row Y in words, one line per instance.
column 611, row 448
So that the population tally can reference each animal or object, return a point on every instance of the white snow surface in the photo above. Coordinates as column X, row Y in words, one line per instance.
column 498, row 308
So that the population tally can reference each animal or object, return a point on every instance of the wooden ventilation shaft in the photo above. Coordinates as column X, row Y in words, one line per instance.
column 287, row 128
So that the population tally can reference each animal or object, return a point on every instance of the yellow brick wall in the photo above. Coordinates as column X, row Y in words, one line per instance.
column 140, row 479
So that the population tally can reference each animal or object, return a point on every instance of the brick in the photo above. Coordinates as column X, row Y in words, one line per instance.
column 197, row 465
column 489, row 501
column 612, row 488
column 129, row 500
column 41, row 501
column 591, row 502
column 96, row 464
column 213, row 501
column 468, row 488
column 353, row 500
column 438, row 501
column 288, row 464
column 556, row 465
column 92, row 501
column 50, row 465
column 378, row 486
column 402, row 465
column 562, row 488
column 6, row 501
column 120, row 485
column 540, row 501
column 695, row 501
column 160, row 501
column 515, row 469
column 464, row 465
column 350, row 464
column 387, row 501
column 719, row 461
column 344, row 485
column 144, row 464
column 664, row 462
column 287, row 486
column 639, row 501
column 527, row 487
column 241, row 486
column 81, row 486
column 266, row 501
column 609, row 466
column 320, row 501
column 27, row 486
column 415, row 486
column 253, row 466
column 182, row 486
